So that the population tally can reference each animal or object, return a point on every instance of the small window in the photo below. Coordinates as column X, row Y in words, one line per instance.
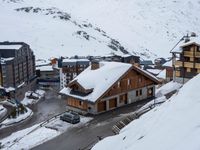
column 140, row 79
column 141, row 92
column 129, row 81
column 80, row 103
column 118, row 84
column 137, row 93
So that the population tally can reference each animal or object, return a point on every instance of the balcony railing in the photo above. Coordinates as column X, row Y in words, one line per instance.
column 197, row 65
column 178, row 73
column 188, row 64
column 188, row 54
column 178, row 63
column 197, row 54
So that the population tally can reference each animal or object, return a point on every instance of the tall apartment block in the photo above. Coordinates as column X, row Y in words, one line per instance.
column 17, row 67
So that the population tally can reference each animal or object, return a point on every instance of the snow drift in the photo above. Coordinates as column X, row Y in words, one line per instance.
column 174, row 125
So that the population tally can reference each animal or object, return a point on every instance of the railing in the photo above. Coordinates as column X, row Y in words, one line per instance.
column 197, row 65
column 197, row 54
column 188, row 64
column 178, row 73
column 178, row 63
column 188, row 54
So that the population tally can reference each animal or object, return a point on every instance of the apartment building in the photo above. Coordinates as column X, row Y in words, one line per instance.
column 70, row 68
column 17, row 67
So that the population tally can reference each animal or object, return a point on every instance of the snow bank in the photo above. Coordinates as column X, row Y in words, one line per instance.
column 35, row 135
column 20, row 118
column 38, row 94
column 172, row 126
column 167, row 88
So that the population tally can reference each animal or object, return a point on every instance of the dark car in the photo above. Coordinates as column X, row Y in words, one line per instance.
column 70, row 117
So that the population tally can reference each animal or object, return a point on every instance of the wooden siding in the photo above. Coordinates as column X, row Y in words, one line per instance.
column 132, row 80
column 113, row 103
column 77, row 103
column 101, row 106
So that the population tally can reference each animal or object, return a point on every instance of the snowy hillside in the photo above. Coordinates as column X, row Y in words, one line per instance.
column 174, row 125
column 98, row 27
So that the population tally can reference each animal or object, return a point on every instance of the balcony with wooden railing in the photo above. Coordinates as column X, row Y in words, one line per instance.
column 178, row 73
column 197, row 54
column 178, row 63
column 188, row 54
column 189, row 64
column 197, row 65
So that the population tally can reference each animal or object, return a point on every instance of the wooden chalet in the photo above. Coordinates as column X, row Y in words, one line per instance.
column 107, row 85
column 186, row 60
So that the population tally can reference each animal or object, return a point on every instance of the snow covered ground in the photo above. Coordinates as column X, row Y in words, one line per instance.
column 167, row 88
column 155, row 26
column 35, row 135
column 20, row 118
column 174, row 125
column 38, row 94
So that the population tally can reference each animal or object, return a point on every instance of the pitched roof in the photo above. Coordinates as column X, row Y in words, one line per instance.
column 179, row 46
column 100, row 80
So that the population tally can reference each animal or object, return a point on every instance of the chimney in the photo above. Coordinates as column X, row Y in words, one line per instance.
column 94, row 65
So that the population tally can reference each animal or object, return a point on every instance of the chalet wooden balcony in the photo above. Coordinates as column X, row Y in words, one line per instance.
column 197, row 65
column 189, row 64
column 178, row 73
column 178, row 63
column 197, row 54
column 188, row 54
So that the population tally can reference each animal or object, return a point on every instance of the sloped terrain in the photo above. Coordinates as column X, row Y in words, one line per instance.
column 174, row 125
column 98, row 27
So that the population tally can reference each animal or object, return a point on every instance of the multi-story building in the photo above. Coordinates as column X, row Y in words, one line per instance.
column 108, row 85
column 186, row 60
column 17, row 67
column 70, row 68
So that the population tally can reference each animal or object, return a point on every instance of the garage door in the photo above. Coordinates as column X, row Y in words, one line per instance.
column 102, row 106
column 113, row 103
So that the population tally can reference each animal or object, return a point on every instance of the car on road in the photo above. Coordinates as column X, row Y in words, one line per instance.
column 70, row 117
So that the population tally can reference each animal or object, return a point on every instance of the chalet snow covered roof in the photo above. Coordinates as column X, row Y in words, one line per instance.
column 193, row 40
column 100, row 80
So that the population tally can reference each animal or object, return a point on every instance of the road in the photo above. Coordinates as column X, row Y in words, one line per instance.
column 43, row 110
column 79, row 138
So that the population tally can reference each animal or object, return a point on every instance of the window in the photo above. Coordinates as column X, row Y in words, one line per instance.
column 129, row 81
column 118, row 84
column 137, row 93
column 141, row 92
column 80, row 103
column 139, row 79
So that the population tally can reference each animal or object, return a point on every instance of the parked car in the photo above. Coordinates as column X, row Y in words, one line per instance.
column 70, row 117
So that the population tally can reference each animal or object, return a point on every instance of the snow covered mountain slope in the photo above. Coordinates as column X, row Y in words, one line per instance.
column 96, row 27
column 175, row 125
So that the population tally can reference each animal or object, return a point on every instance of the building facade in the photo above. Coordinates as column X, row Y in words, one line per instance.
column 17, row 66
column 186, row 61
column 107, row 86
column 70, row 68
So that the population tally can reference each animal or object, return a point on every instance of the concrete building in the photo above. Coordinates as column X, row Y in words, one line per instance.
column 17, row 66
column 70, row 68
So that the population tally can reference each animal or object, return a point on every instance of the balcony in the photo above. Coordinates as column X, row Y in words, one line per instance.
column 188, row 54
column 189, row 64
column 178, row 73
column 197, row 65
column 178, row 63
column 197, row 54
